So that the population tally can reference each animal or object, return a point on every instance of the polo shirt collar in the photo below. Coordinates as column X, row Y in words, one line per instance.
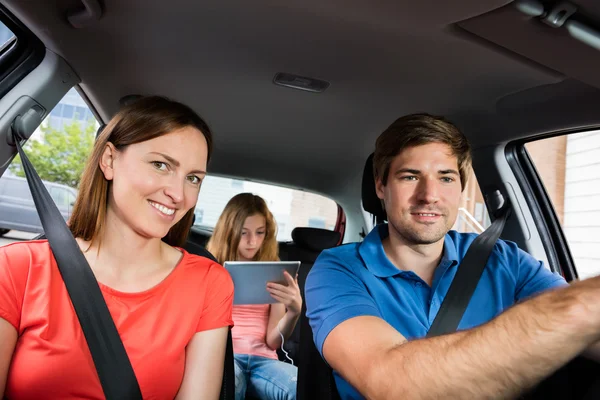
column 377, row 262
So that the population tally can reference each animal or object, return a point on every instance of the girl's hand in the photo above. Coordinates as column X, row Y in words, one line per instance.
column 287, row 295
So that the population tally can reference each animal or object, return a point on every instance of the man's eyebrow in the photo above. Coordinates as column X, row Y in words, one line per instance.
column 417, row 172
column 407, row 170
column 176, row 163
column 448, row 171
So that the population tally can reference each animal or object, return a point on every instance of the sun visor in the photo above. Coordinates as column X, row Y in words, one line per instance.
column 552, row 47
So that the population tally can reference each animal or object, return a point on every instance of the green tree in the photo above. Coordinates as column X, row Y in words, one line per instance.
column 59, row 155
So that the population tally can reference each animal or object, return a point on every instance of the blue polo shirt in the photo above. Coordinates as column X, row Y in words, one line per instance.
column 358, row 279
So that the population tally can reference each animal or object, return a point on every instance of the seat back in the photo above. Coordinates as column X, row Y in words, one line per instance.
column 306, row 246
column 315, row 376
column 228, row 384
column 193, row 247
column 371, row 203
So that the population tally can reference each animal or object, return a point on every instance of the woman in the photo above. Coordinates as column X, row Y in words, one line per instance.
column 131, row 217
column 246, row 231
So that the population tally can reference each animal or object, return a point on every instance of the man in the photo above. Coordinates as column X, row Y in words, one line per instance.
column 371, row 304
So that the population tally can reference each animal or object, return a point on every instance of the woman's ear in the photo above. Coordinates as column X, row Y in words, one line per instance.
column 107, row 160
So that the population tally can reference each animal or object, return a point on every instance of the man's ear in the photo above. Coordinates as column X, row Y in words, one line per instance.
column 107, row 159
column 379, row 188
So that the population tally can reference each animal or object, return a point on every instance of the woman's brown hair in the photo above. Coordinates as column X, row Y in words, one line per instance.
column 226, row 237
column 144, row 119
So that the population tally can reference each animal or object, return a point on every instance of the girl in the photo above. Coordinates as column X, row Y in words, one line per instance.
column 246, row 231
column 131, row 217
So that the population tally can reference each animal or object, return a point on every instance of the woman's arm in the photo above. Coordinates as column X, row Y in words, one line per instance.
column 289, row 298
column 8, row 340
column 204, row 360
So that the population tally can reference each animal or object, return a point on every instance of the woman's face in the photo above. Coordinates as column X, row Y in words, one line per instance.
column 252, row 238
column 156, row 182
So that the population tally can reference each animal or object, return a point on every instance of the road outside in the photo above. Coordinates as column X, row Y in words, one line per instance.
column 16, row 236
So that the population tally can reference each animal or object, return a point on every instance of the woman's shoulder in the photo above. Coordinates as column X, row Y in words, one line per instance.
column 204, row 265
column 20, row 261
column 27, row 251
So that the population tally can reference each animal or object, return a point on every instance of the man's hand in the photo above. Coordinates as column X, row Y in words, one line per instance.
column 499, row 359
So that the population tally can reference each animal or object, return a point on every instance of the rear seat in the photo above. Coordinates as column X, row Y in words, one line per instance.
column 196, row 241
column 315, row 376
column 306, row 246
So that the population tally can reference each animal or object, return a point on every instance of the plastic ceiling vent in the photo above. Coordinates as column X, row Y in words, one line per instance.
column 300, row 82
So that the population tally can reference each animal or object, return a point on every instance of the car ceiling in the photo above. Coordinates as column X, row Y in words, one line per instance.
column 495, row 72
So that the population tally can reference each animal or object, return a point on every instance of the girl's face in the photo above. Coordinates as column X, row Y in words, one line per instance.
column 253, row 236
column 156, row 182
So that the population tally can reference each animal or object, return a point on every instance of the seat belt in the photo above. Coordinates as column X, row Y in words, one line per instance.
column 113, row 366
column 469, row 272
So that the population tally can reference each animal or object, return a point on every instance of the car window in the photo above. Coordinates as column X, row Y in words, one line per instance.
column 473, row 216
column 70, row 198
column 60, row 146
column 6, row 36
column 290, row 207
column 59, row 195
column 18, row 188
column 570, row 171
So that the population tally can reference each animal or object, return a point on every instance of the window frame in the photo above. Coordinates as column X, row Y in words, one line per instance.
column 20, row 57
column 539, row 202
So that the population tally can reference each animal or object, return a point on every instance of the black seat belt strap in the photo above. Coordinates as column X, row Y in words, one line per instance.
column 469, row 272
column 108, row 352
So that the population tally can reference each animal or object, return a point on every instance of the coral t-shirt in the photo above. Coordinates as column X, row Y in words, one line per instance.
column 52, row 359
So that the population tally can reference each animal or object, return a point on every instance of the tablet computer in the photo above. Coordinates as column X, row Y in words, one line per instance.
column 250, row 279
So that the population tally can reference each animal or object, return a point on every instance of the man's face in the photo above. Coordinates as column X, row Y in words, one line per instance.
column 422, row 193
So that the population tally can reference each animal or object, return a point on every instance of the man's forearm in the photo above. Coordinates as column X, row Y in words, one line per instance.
column 496, row 360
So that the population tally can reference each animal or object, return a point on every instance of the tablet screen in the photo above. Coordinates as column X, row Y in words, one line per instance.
column 250, row 279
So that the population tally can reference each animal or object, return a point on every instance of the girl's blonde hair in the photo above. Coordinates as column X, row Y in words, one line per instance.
column 226, row 237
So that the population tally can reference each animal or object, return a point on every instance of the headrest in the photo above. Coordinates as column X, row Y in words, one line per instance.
column 100, row 129
column 315, row 239
column 371, row 203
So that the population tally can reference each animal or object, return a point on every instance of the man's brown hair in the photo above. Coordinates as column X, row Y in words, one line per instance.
column 416, row 130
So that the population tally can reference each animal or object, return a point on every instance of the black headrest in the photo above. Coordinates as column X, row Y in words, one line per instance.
column 371, row 203
column 100, row 129
column 315, row 239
